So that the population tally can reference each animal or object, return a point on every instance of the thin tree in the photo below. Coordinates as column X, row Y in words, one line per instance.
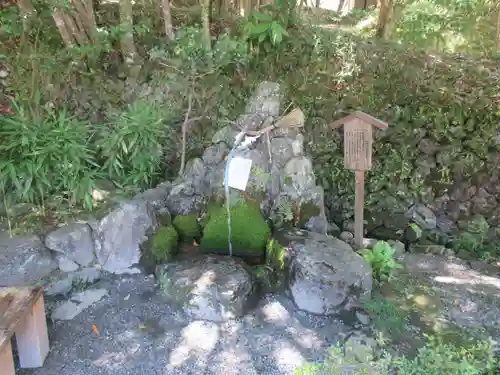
column 129, row 52
column 167, row 19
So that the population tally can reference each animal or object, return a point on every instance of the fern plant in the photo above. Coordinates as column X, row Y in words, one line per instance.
column 381, row 259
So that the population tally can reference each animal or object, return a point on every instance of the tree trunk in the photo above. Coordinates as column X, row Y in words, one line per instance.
column 386, row 10
column 167, row 18
column 498, row 29
column 27, row 11
column 205, row 20
column 129, row 53
column 76, row 26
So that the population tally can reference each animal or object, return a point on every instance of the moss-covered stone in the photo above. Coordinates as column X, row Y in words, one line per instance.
column 163, row 244
column 187, row 226
column 249, row 230
column 307, row 210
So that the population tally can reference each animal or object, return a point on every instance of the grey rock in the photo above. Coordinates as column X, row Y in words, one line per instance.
column 215, row 154
column 281, row 151
column 24, row 260
column 64, row 285
column 67, row 265
column 227, row 135
column 59, row 287
column 445, row 224
column 74, row 241
column 68, row 310
column 428, row 146
column 423, row 216
column 298, row 175
column 317, row 224
column 209, row 287
column 267, row 99
column 194, row 171
column 185, row 198
column 298, row 145
column 347, row 237
column 156, row 197
column 325, row 273
column 363, row 318
column 120, row 234
column 333, row 230
column 250, row 121
column 398, row 246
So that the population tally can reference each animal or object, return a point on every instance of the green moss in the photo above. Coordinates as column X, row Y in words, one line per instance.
column 187, row 227
column 307, row 211
column 163, row 244
column 249, row 231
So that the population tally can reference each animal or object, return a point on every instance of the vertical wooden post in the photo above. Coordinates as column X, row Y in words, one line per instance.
column 32, row 338
column 7, row 360
column 359, row 206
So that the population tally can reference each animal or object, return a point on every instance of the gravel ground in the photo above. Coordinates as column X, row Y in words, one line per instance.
column 140, row 332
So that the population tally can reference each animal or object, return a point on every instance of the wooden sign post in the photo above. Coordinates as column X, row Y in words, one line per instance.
column 358, row 141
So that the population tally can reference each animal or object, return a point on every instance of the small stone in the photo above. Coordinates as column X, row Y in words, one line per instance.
column 363, row 318
column 398, row 246
column 4, row 73
column 74, row 242
column 298, row 145
column 347, row 237
column 67, row 265
column 68, row 310
column 59, row 287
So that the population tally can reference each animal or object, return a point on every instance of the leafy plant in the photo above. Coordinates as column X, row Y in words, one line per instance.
column 46, row 155
column 269, row 27
column 131, row 145
column 381, row 259
column 435, row 358
column 475, row 240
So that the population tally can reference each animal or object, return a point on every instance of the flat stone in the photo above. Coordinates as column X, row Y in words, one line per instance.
column 24, row 260
column 68, row 310
column 209, row 287
column 119, row 235
column 74, row 241
column 63, row 286
column 325, row 273
column 67, row 265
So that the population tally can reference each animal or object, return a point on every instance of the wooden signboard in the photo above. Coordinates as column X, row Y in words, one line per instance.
column 358, row 140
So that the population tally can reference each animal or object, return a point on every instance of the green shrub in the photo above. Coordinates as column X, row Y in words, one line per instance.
column 249, row 231
column 131, row 145
column 44, row 155
column 474, row 242
column 163, row 244
column 448, row 100
column 381, row 259
column 187, row 226
column 435, row 358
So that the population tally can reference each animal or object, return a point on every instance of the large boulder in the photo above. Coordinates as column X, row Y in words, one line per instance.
column 24, row 260
column 208, row 287
column 325, row 275
column 118, row 235
column 74, row 242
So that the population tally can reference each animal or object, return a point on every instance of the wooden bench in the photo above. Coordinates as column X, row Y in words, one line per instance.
column 22, row 313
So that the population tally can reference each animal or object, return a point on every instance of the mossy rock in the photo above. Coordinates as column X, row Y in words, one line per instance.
column 249, row 231
column 187, row 226
column 163, row 244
